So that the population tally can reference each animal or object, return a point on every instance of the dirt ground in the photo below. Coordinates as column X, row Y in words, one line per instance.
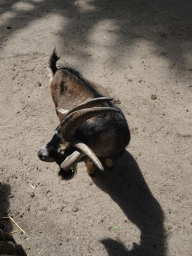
column 141, row 51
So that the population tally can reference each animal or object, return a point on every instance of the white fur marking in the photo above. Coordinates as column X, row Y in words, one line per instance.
column 44, row 150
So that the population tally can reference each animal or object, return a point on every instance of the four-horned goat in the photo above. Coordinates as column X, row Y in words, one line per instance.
column 90, row 123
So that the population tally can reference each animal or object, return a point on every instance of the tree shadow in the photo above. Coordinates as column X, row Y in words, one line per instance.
column 127, row 187
column 165, row 24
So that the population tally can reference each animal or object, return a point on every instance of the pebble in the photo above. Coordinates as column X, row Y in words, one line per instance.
column 28, row 208
column 90, row 183
column 62, row 208
column 153, row 96
column 74, row 209
column 32, row 194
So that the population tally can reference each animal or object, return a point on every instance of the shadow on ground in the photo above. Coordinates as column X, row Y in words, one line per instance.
column 126, row 186
column 8, row 246
column 5, row 191
column 165, row 24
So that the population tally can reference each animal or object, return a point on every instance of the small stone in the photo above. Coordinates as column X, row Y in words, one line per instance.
column 117, row 101
column 32, row 194
column 91, row 183
column 67, row 240
column 9, row 27
column 153, row 96
column 187, row 110
column 28, row 208
column 169, row 227
column 74, row 209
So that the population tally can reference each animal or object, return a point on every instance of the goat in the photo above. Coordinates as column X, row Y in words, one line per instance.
column 100, row 133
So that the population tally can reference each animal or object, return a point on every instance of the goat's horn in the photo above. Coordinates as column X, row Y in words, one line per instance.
column 71, row 122
column 83, row 147
column 87, row 104
column 69, row 161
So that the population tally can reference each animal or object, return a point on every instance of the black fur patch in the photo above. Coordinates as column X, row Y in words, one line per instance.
column 52, row 148
column 52, row 62
column 66, row 175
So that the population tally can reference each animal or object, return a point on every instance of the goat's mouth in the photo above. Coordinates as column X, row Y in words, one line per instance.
column 46, row 159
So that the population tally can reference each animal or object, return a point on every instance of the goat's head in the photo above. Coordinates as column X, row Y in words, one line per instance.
column 64, row 148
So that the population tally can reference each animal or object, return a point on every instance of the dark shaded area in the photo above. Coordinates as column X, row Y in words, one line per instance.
column 66, row 175
column 167, row 24
column 8, row 245
column 5, row 194
column 127, row 187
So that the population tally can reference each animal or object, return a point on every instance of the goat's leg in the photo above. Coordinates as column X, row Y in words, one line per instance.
column 90, row 166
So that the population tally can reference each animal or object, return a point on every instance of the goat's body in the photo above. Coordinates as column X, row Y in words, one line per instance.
column 107, row 134
column 90, row 123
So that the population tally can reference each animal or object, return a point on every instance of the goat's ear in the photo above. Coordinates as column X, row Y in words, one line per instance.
column 62, row 111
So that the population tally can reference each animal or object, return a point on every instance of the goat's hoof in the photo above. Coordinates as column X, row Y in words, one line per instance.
column 108, row 162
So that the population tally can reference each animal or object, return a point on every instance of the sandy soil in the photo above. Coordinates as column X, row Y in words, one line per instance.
column 141, row 52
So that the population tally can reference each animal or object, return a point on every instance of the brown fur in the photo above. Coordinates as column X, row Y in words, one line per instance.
column 74, row 93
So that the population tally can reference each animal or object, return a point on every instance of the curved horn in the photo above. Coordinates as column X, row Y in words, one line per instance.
column 71, row 122
column 69, row 161
column 87, row 104
column 83, row 147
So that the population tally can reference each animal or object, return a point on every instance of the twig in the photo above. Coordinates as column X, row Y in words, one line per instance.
column 13, row 232
column 39, row 252
column 14, row 223
column 32, row 186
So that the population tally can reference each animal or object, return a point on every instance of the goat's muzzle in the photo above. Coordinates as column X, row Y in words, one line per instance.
column 43, row 157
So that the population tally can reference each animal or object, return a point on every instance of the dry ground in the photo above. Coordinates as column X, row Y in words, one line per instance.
column 141, row 52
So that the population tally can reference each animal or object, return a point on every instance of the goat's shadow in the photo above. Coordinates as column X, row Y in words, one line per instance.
column 127, row 187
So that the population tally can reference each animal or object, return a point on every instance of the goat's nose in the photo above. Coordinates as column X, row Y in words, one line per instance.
column 40, row 153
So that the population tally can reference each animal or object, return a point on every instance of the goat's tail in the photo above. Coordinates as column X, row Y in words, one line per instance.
column 53, row 60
